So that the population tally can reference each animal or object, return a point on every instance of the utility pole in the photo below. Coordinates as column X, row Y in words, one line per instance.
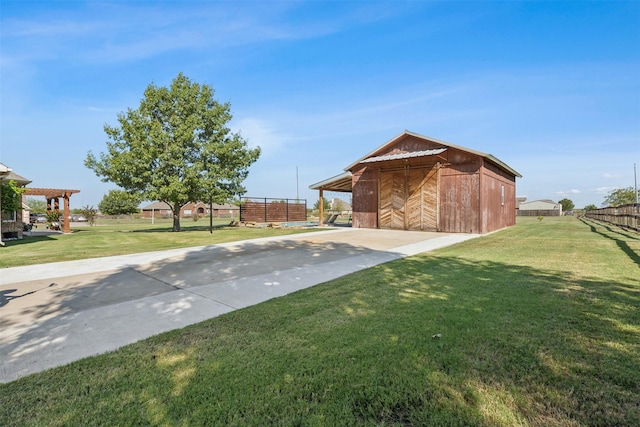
column 636, row 208
column 635, row 182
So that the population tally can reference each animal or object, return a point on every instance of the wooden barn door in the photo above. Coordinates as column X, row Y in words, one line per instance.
column 421, row 200
column 392, row 199
column 408, row 199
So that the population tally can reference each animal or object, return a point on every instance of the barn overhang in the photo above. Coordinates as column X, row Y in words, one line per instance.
column 339, row 183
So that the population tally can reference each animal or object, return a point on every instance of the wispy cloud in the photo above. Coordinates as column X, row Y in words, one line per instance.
column 261, row 133
column 568, row 193
column 607, row 175
column 603, row 190
column 104, row 32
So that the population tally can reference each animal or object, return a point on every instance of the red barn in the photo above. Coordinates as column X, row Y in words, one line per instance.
column 414, row 182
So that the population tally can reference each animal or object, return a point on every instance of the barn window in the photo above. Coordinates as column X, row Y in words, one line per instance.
column 502, row 195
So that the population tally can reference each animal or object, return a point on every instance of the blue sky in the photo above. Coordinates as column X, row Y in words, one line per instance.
column 550, row 88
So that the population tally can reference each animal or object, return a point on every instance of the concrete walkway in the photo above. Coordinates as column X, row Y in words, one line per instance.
column 53, row 314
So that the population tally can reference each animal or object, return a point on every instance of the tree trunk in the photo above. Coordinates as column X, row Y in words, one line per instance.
column 176, row 217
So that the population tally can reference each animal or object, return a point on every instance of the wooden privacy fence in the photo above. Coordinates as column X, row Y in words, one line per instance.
column 273, row 210
column 539, row 212
column 626, row 216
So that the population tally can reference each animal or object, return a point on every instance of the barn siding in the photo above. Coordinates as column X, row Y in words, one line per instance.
column 365, row 198
column 460, row 193
column 495, row 213
column 459, row 203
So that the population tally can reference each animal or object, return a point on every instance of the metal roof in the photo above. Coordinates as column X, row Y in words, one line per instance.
column 408, row 155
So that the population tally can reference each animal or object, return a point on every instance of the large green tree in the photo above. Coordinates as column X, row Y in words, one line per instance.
column 567, row 204
column 620, row 196
column 176, row 148
column 118, row 202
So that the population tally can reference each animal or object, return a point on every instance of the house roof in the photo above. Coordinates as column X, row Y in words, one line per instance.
column 444, row 144
column 550, row 202
column 157, row 205
column 344, row 206
column 8, row 175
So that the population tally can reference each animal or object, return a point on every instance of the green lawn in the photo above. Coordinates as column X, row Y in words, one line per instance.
column 119, row 237
column 535, row 325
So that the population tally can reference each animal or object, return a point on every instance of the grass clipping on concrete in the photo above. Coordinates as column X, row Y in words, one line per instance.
column 535, row 325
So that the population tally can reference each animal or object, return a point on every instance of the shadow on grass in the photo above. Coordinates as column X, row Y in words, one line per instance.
column 30, row 239
column 428, row 340
column 621, row 237
column 183, row 229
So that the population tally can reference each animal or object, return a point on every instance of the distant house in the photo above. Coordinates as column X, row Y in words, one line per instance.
column 540, row 208
column 191, row 209
column 11, row 225
column 519, row 201
column 339, row 206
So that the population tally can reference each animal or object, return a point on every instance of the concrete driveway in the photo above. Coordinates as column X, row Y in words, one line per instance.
column 53, row 314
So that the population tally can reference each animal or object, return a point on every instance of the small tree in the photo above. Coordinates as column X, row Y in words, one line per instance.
column 176, row 148
column 90, row 213
column 620, row 196
column 590, row 207
column 567, row 205
column 53, row 218
column 118, row 202
column 325, row 204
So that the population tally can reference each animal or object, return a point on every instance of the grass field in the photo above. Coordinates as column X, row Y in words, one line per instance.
column 119, row 237
column 535, row 325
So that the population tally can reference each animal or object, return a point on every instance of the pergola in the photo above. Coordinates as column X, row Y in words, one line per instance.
column 55, row 194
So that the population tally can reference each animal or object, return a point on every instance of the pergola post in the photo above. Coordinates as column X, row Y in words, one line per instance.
column 66, row 222
column 321, row 206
